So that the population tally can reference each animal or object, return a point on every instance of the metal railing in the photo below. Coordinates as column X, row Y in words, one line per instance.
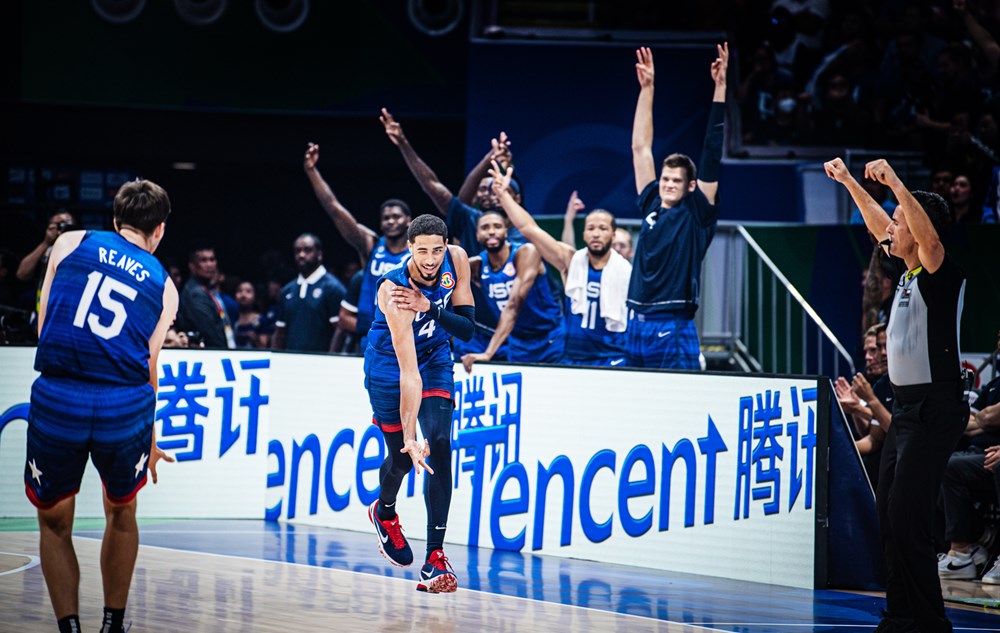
column 754, row 318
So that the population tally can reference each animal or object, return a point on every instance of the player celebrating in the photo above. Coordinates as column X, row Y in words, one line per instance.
column 409, row 377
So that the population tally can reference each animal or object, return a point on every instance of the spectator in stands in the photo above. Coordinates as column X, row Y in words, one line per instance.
column 380, row 254
column 758, row 94
column 839, row 120
column 941, row 180
column 798, row 33
column 33, row 265
column 201, row 305
column 971, row 478
column 309, row 306
column 252, row 329
column 679, row 216
column 960, row 196
column 517, row 291
column 595, row 279
column 8, row 272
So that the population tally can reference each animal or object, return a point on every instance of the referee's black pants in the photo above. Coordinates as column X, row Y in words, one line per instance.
column 927, row 422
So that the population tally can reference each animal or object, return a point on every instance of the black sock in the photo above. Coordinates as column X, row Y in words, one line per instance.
column 114, row 620
column 69, row 624
column 386, row 512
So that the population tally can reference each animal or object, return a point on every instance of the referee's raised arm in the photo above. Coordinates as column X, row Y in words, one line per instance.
column 871, row 211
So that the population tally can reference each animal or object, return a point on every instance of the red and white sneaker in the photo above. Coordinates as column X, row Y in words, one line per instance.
column 391, row 541
column 437, row 575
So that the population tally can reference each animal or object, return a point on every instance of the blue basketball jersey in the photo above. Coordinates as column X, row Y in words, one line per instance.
column 540, row 313
column 430, row 338
column 587, row 335
column 104, row 303
column 379, row 263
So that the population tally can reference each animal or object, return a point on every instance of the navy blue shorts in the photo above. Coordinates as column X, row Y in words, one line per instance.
column 543, row 348
column 437, row 375
column 71, row 420
column 670, row 343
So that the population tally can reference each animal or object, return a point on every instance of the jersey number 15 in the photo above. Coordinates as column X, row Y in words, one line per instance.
column 103, row 286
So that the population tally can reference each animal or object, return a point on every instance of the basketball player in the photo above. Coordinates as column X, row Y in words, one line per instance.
column 380, row 254
column 106, row 306
column 409, row 378
column 596, row 315
column 679, row 216
column 929, row 413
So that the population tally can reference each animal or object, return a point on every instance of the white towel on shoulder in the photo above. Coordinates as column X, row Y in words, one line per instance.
column 614, row 288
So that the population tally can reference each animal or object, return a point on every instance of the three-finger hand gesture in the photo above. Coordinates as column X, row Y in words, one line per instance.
column 501, row 179
column 501, row 150
column 644, row 67
column 312, row 156
column 392, row 127
column 720, row 65
column 418, row 452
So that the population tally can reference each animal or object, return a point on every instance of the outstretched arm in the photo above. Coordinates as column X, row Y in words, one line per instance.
column 500, row 152
column 360, row 237
column 642, row 125
column 711, row 153
column 400, row 324
column 871, row 211
column 929, row 247
column 528, row 264
column 429, row 182
column 553, row 251
column 979, row 35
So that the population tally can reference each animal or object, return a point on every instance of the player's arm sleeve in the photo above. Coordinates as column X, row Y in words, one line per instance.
column 460, row 323
column 711, row 153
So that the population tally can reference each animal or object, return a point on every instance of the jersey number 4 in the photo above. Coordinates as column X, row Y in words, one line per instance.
column 427, row 329
column 103, row 286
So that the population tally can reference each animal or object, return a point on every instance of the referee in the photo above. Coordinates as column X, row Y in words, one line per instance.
column 929, row 413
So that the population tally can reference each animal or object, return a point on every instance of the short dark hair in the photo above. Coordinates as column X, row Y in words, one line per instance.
column 875, row 330
column 936, row 209
column 497, row 211
column 141, row 204
column 681, row 160
column 197, row 247
column 426, row 224
column 614, row 222
column 313, row 237
column 394, row 202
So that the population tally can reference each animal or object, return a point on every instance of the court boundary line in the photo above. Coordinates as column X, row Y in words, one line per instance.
column 33, row 561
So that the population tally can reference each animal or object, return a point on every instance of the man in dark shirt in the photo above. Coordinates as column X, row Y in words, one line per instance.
column 309, row 306
column 679, row 216
column 202, row 309
column 929, row 412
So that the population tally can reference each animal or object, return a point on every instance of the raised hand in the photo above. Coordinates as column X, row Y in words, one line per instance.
column 312, row 156
column 880, row 171
column 574, row 206
column 837, row 170
column 392, row 128
column 644, row 67
column 501, row 179
column 418, row 452
column 719, row 66
column 410, row 298
column 501, row 150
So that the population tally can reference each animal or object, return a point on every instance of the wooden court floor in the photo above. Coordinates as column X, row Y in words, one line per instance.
column 225, row 576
